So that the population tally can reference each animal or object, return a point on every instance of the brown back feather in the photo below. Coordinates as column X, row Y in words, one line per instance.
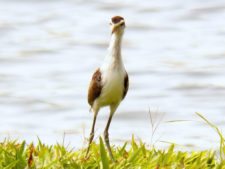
column 95, row 87
column 126, row 85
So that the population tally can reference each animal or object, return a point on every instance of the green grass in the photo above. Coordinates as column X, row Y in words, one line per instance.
column 132, row 155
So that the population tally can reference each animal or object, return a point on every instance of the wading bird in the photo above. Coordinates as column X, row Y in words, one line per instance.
column 109, row 83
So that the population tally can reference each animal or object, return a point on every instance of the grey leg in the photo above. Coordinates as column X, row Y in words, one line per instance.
column 106, row 134
column 92, row 133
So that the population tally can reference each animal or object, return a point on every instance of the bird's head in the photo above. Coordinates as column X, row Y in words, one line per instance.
column 117, row 24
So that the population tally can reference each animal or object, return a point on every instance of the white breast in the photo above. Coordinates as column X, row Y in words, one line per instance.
column 113, row 84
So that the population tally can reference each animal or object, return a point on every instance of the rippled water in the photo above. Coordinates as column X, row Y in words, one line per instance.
column 173, row 50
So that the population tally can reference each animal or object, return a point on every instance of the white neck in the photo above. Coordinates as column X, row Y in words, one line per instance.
column 113, row 58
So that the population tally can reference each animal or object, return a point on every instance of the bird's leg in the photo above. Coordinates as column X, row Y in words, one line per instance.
column 106, row 134
column 92, row 133
column 106, row 138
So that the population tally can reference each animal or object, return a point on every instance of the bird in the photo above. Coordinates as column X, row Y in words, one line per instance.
column 110, row 82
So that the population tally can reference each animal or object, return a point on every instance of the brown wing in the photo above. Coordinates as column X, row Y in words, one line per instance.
column 126, row 85
column 95, row 87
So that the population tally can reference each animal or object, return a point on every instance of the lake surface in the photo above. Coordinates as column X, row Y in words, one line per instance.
column 173, row 51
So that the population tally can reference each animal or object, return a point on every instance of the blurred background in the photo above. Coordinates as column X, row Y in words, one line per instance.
column 173, row 51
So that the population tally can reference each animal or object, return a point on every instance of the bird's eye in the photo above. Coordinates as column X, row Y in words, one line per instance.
column 122, row 24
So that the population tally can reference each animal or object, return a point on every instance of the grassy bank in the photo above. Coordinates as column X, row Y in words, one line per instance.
column 19, row 156
column 15, row 155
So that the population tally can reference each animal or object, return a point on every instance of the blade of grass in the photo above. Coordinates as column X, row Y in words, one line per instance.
column 104, row 158
column 11, row 165
column 222, row 140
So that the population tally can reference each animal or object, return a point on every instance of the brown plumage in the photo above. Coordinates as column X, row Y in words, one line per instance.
column 116, row 19
column 95, row 87
column 126, row 85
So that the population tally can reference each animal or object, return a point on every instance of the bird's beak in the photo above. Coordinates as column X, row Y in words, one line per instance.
column 113, row 28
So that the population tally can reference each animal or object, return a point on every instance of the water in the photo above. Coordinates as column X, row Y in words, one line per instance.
column 173, row 51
